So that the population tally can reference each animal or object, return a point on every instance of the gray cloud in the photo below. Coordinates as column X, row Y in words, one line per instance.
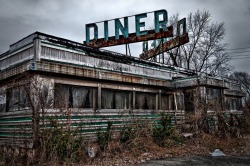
column 63, row 18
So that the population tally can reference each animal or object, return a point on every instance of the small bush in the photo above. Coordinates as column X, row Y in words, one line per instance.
column 126, row 134
column 244, row 123
column 61, row 145
column 164, row 134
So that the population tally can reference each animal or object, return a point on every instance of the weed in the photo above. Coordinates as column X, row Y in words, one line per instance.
column 104, row 137
column 164, row 134
column 61, row 145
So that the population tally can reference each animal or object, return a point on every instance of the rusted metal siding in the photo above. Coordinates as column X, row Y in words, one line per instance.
column 15, row 70
column 236, row 93
column 132, row 38
column 88, row 122
column 233, row 85
column 198, row 81
column 98, row 74
column 16, row 128
column 164, row 47
column 83, row 59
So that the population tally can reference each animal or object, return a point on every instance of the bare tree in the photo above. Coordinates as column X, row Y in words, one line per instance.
column 205, row 51
column 244, row 79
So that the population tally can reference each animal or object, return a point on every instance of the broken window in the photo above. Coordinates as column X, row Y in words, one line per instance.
column 113, row 99
column 17, row 99
column 69, row 96
column 145, row 100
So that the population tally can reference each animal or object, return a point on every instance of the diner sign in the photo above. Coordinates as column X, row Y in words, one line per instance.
column 160, row 30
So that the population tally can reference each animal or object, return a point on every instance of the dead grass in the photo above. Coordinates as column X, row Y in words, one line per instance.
column 142, row 149
column 141, row 146
column 202, row 145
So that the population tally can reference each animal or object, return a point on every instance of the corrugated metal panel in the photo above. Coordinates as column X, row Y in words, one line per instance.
column 233, row 86
column 235, row 93
column 193, row 81
column 98, row 74
column 16, row 128
column 88, row 122
column 213, row 117
column 15, row 70
column 17, row 58
column 57, row 55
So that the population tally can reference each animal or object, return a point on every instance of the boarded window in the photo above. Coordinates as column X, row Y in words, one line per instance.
column 145, row 101
column 113, row 99
column 17, row 99
column 68, row 96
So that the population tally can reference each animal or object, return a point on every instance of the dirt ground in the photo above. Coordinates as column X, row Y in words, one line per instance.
column 200, row 160
column 193, row 152
column 143, row 151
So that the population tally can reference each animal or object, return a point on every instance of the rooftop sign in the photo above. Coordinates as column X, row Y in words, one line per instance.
column 180, row 38
column 160, row 30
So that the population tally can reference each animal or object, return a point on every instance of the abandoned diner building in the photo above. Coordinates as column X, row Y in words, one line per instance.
column 45, row 78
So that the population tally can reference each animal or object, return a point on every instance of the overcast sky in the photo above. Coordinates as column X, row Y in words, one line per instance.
column 67, row 19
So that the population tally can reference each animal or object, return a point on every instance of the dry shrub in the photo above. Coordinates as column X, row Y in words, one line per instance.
column 104, row 137
column 14, row 156
column 164, row 134
column 245, row 123
column 136, row 137
column 59, row 146
column 219, row 124
column 230, row 146
column 141, row 136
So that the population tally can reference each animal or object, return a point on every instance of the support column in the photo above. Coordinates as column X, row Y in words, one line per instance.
column 37, row 49
column 133, row 106
column 99, row 97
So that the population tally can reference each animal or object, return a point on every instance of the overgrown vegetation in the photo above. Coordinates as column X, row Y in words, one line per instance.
column 61, row 145
column 104, row 137
column 165, row 134
column 138, row 140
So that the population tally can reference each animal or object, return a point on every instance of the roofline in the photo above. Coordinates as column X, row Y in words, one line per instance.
column 73, row 44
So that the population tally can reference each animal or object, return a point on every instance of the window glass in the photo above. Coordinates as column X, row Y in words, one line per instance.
column 167, row 102
column 145, row 100
column 73, row 96
column 17, row 99
column 113, row 99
